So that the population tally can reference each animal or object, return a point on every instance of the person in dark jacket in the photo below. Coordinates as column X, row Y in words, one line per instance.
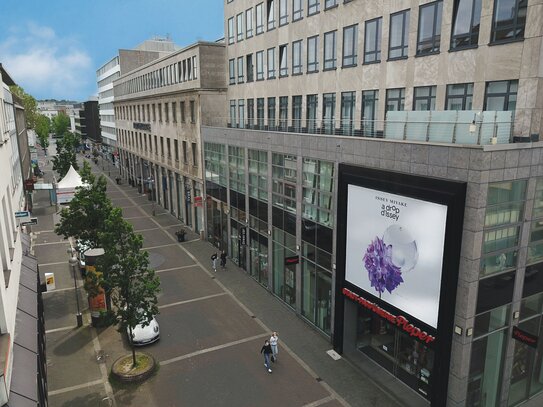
column 267, row 351
column 223, row 259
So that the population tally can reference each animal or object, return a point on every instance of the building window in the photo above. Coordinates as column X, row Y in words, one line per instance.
column 509, row 20
column 283, row 60
column 233, row 114
column 232, row 71
column 271, row 63
column 328, row 112
column 160, row 112
column 192, row 112
column 250, row 112
column 425, row 98
column 284, row 173
column 297, row 10
column 182, row 109
column 329, row 4
column 313, row 7
column 535, row 244
column 347, row 113
column 260, row 65
column 283, row 12
column 250, row 68
column 429, row 35
column 311, row 113
column 271, row 14
column 399, row 35
column 297, row 57
column 312, row 54
column 174, row 112
column 501, row 95
column 185, row 158
column 194, row 154
column 372, row 41
column 503, row 219
column 239, row 27
column 175, row 149
column 271, row 113
column 241, row 113
column 260, row 112
column 259, row 19
column 395, row 100
column 283, row 112
column 350, row 42
column 231, row 30
column 330, row 50
column 240, row 70
column 465, row 23
column 459, row 96
column 249, row 23
column 370, row 99
column 154, row 113
column 166, row 111
column 297, row 112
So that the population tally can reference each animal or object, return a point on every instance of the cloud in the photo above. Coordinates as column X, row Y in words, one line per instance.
column 46, row 65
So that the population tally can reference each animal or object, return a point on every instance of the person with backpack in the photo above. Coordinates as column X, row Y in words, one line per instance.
column 214, row 261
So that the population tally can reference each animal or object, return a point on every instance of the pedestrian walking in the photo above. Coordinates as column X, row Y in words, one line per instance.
column 223, row 259
column 214, row 261
column 267, row 351
column 273, row 344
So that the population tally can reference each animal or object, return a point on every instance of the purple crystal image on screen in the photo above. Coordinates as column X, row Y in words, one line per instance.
column 385, row 259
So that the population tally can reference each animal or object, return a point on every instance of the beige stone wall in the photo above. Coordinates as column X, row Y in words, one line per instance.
column 521, row 60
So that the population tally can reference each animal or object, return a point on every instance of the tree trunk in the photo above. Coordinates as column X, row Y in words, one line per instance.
column 133, row 350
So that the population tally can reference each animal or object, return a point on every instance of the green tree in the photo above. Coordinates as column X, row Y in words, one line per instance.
column 127, row 277
column 29, row 103
column 61, row 123
column 43, row 128
column 85, row 216
column 66, row 154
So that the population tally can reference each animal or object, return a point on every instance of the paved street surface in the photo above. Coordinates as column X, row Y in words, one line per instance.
column 212, row 325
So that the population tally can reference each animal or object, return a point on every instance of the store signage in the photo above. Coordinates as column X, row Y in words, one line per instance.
column 22, row 214
column 243, row 236
column 292, row 260
column 400, row 321
column 142, row 126
column 188, row 195
column 525, row 337
column 33, row 221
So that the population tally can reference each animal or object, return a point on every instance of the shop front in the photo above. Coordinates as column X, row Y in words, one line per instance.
column 396, row 276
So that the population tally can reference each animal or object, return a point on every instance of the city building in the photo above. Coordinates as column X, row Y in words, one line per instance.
column 379, row 171
column 23, row 379
column 159, row 110
column 87, row 122
column 124, row 62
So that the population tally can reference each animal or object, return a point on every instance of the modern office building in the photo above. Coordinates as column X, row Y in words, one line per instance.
column 23, row 374
column 379, row 171
column 159, row 110
column 87, row 123
column 124, row 62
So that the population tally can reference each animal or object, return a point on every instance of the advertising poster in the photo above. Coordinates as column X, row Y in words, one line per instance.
column 394, row 250
column 97, row 304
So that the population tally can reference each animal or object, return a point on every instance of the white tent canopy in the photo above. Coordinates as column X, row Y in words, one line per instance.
column 66, row 187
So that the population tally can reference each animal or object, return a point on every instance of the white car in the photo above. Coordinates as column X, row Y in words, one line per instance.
column 145, row 335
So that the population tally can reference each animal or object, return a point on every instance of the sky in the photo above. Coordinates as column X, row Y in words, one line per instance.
column 52, row 48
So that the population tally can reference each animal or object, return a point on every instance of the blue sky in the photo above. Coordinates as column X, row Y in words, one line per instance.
column 52, row 48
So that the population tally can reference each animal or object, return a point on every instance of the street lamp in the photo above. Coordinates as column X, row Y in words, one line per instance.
column 74, row 264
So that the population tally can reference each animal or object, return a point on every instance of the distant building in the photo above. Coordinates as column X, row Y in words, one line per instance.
column 126, row 61
column 87, row 123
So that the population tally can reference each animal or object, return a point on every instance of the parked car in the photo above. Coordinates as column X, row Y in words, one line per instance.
column 145, row 335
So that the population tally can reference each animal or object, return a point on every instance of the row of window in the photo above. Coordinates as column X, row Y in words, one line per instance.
column 148, row 112
column 153, row 144
column 108, row 80
column 178, row 72
column 114, row 62
column 508, row 24
column 499, row 96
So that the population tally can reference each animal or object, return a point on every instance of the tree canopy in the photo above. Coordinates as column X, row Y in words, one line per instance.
column 43, row 128
column 61, row 124
column 85, row 216
column 29, row 103
column 66, row 154
column 127, row 277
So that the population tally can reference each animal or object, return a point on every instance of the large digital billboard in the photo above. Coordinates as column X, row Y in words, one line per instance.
column 394, row 249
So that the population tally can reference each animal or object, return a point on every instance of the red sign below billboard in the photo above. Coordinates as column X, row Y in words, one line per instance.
column 525, row 337
column 400, row 321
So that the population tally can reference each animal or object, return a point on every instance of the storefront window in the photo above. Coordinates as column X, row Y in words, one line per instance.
column 284, row 275
column 402, row 355
column 535, row 245
column 284, row 173
column 258, row 253
column 236, row 164
column 258, row 174
column 318, row 186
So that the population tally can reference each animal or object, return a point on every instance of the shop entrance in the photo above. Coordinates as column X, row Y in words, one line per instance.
column 406, row 358
column 217, row 219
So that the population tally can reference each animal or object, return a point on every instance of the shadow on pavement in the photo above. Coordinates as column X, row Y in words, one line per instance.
column 90, row 400
column 74, row 342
